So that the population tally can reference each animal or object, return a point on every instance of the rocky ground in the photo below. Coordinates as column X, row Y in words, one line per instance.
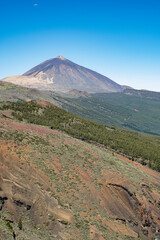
column 53, row 186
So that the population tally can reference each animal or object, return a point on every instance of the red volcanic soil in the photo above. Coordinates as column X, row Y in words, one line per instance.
column 77, row 184
column 149, row 171
column 45, row 103
column 22, row 127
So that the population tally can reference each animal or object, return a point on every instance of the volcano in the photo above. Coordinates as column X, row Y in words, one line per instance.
column 61, row 75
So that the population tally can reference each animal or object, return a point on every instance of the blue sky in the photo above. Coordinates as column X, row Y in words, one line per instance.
column 117, row 38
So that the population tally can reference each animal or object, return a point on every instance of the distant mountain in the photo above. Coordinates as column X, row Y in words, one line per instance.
column 61, row 75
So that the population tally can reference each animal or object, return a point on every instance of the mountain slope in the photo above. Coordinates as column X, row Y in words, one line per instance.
column 15, row 93
column 60, row 74
column 62, row 188
column 146, row 148
column 130, row 109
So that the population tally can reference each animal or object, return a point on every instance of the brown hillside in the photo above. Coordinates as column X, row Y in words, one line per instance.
column 63, row 188
column 45, row 103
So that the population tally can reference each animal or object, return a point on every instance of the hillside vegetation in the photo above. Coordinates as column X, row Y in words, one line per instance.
column 15, row 93
column 130, row 109
column 145, row 148
column 54, row 186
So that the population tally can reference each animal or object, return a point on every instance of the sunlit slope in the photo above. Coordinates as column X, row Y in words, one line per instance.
column 143, row 147
column 131, row 109
column 59, row 187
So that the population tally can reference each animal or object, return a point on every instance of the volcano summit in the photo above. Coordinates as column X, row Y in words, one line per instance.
column 61, row 75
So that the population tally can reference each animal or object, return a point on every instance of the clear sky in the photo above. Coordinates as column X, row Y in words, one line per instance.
column 117, row 38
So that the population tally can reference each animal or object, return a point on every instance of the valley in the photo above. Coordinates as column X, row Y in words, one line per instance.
column 131, row 109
